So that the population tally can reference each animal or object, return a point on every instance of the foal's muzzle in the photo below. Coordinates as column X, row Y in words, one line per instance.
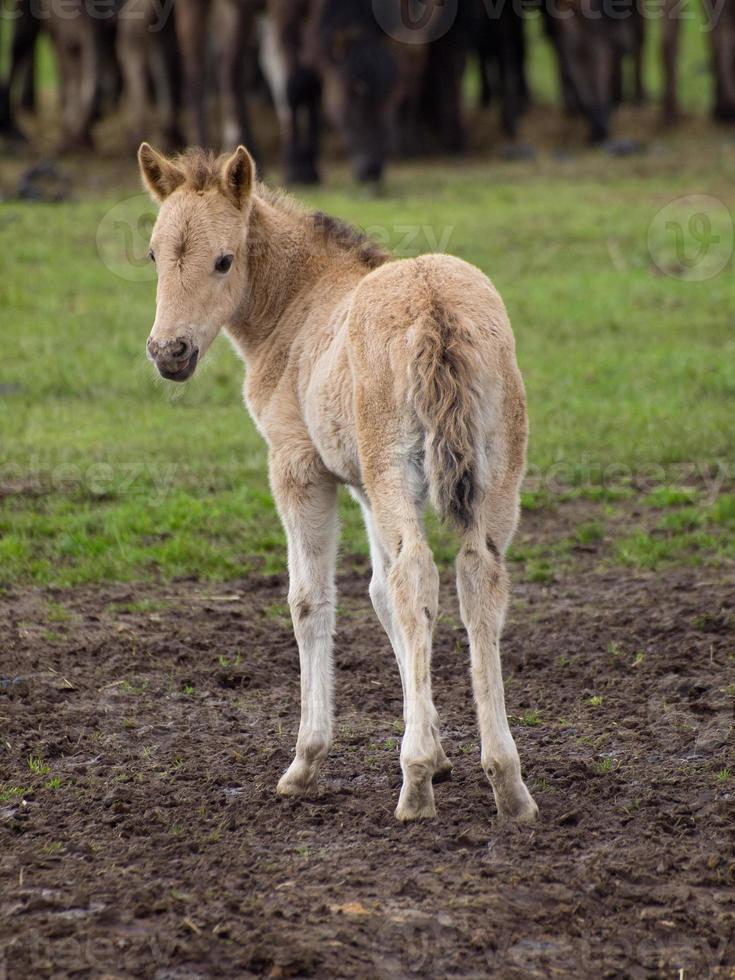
column 176, row 360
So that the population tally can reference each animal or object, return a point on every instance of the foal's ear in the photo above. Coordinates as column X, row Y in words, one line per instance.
column 160, row 176
column 238, row 176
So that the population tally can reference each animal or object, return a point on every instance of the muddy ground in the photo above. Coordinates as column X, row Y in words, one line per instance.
column 143, row 729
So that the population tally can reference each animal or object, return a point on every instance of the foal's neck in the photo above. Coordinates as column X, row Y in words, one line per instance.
column 287, row 255
column 280, row 265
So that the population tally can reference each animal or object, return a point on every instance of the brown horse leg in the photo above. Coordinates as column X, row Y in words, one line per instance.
column 132, row 48
column 191, row 31
column 671, row 31
column 236, row 28
column 723, row 45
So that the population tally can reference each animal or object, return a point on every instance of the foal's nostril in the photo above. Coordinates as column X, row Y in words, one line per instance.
column 170, row 352
column 180, row 350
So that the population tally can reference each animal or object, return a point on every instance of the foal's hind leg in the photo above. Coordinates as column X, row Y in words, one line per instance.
column 381, row 599
column 413, row 590
column 307, row 502
column 482, row 584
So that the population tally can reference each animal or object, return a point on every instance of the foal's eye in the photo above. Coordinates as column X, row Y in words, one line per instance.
column 224, row 263
column 151, row 256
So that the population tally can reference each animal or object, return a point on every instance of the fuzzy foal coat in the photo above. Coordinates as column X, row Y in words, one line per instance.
column 397, row 378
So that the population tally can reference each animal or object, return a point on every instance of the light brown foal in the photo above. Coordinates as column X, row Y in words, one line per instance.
column 396, row 378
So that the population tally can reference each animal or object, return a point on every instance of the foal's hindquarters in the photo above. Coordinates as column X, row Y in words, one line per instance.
column 438, row 410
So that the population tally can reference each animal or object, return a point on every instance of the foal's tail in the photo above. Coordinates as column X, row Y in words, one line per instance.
column 444, row 382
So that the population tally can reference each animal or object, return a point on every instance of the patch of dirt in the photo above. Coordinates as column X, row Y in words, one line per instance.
column 155, row 845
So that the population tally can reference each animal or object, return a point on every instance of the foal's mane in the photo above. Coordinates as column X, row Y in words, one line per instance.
column 202, row 169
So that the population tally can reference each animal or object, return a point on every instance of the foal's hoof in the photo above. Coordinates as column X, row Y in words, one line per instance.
column 288, row 788
column 517, row 805
column 416, row 803
column 296, row 781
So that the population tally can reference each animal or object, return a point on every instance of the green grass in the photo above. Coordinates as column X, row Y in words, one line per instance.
column 692, row 534
column 116, row 475
column 604, row 766
column 530, row 719
column 671, row 496
column 590, row 533
column 12, row 794
column 111, row 474
column 37, row 766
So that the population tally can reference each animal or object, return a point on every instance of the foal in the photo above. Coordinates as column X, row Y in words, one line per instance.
column 396, row 378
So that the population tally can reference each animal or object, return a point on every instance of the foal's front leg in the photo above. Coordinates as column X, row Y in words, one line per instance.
column 307, row 502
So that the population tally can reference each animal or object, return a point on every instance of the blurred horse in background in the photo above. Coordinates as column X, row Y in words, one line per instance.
column 388, row 76
column 171, row 55
column 382, row 86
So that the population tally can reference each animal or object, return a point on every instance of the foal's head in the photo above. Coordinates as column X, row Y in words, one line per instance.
column 198, row 245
